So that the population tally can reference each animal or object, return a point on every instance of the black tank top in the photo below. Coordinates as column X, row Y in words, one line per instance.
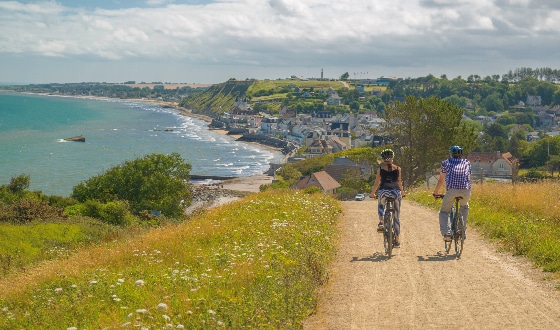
column 389, row 179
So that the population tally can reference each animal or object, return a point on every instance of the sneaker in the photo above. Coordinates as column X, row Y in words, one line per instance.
column 380, row 227
column 397, row 244
column 447, row 238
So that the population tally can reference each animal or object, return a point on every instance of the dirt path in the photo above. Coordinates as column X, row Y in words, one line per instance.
column 421, row 288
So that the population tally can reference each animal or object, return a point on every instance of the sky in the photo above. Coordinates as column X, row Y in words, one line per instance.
column 211, row 41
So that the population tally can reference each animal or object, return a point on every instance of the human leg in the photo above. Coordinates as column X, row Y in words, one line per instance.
column 380, row 212
column 446, row 205
column 466, row 193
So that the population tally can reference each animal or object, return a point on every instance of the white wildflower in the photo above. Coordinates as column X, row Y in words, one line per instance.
column 58, row 290
column 142, row 311
column 162, row 307
column 139, row 283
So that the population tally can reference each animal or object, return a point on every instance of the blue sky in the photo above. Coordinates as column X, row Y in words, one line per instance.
column 204, row 41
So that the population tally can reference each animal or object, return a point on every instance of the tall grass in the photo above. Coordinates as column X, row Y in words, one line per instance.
column 23, row 245
column 523, row 218
column 253, row 263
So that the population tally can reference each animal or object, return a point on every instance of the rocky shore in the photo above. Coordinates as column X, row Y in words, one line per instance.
column 208, row 196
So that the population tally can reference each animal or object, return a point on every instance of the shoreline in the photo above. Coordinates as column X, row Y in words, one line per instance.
column 249, row 183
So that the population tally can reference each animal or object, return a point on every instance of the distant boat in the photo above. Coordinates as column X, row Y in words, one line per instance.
column 78, row 138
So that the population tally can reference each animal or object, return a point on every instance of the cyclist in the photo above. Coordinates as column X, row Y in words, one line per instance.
column 456, row 171
column 388, row 182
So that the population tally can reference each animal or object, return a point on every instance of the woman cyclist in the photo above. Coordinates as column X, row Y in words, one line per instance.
column 388, row 182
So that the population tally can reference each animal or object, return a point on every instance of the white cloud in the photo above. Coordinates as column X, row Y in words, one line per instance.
column 401, row 36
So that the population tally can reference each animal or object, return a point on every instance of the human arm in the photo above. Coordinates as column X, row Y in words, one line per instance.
column 439, row 183
column 400, row 182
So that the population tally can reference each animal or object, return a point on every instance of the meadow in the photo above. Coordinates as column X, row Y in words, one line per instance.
column 253, row 263
column 522, row 218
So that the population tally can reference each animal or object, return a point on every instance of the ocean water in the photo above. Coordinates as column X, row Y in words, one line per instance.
column 33, row 128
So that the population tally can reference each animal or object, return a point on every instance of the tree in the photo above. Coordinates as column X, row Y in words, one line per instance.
column 344, row 76
column 553, row 164
column 154, row 182
column 423, row 131
column 538, row 153
column 19, row 183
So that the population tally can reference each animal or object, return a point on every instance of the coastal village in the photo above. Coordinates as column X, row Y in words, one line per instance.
column 322, row 133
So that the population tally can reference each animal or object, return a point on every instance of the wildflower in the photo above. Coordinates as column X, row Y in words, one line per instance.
column 93, row 282
column 58, row 290
column 162, row 307
column 139, row 283
column 120, row 280
column 142, row 311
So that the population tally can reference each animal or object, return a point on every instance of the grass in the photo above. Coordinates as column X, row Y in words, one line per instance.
column 254, row 263
column 524, row 219
column 21, row 246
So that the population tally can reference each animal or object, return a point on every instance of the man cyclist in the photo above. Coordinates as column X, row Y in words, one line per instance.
column 388, row 182
column 456, row 171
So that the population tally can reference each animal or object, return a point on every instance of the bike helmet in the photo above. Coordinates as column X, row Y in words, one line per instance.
column 387, row 153
column 456, row 151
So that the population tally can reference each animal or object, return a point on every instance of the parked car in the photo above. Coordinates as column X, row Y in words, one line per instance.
column 360, row 197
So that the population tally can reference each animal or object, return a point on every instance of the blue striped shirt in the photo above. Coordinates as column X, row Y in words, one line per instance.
column 457, row 173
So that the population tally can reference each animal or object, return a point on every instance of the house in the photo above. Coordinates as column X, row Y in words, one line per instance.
column 317, row 148
column 492, row 164
column 334, row 99
column 343, row 168
column 321, row 180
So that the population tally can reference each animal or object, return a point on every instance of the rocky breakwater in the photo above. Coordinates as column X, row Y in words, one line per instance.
column 208, row 196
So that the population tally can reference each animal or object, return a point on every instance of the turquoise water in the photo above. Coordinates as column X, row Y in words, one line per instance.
column 32, row 129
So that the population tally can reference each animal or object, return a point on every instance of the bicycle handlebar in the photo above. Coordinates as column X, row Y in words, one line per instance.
column 374, row 196
column 436, row 196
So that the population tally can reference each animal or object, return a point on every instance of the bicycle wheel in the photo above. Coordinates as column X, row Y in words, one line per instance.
column 459, row 234
column 446, row 244
column 388, row 233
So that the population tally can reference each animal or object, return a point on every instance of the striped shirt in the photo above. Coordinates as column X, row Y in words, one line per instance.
column 457, row 173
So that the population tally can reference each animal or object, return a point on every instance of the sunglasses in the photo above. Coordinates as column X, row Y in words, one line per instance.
column 388, row 158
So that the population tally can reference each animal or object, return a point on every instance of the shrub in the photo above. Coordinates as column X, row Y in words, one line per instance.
column 154, row 182
column 26, row 210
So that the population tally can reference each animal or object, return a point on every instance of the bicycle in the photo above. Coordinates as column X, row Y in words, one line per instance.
column 457, row 228
column 389, row 226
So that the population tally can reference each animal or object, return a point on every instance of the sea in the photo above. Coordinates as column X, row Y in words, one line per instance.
column 33, row 128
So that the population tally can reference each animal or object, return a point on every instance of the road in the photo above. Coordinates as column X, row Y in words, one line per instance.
column 422, row 288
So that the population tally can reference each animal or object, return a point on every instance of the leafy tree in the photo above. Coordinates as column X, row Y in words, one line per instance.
column 538, row 152
column 553, row 164
column 154, row 182
column 19, row 183
column 423, row 130
column 344, row 76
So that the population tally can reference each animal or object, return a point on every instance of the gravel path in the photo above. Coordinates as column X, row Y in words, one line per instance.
column 422, row 288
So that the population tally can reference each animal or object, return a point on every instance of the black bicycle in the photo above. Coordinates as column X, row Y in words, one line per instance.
column 389, row 226
column 457, row 228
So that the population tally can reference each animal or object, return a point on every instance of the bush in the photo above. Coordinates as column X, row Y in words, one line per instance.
column 114, row 213
column 26, row 210
column 154, row 182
